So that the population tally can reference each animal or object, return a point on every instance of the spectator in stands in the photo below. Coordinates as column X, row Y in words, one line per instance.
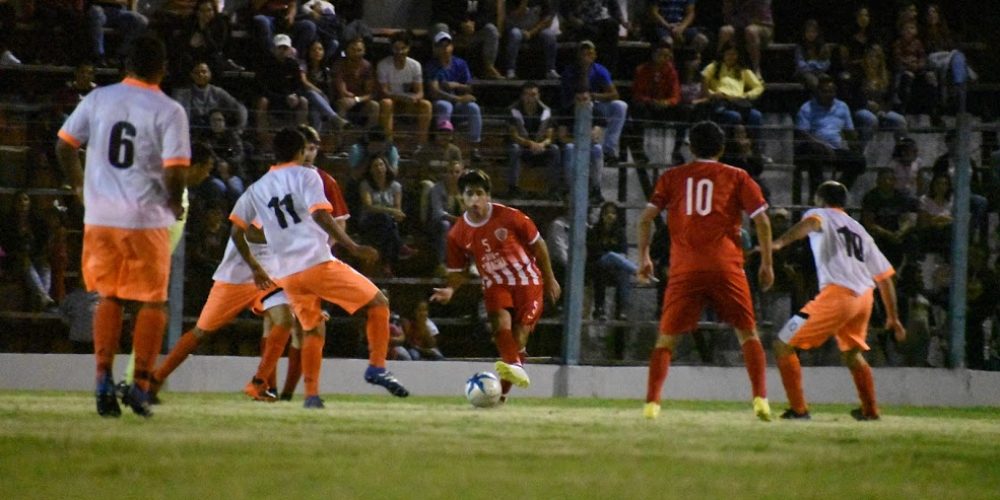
column 672, row 23
column 401, row 84
column 695, row 105
column 329, row 27
column 732, row 88
column 936, row 215
column 421, row 334
column 72, row 17
column 445, row 207
column 448, row 81
column 869, row 96
column 905, row 163
column 598, row 20
column 316, row 81
column 609, row 265
column 564, row 135
column 25, row 240
column 201, row 98
column 532, row 138
column 228, row 148
column 279, row 80
column 441, row 152
column 529, row 20
column 280, row 16
column 557, row 238
column 890, row 215
column 812, row 55
column 982, row 183
column 473, row 24
column 207, row 243
column 823, row 131
column 983, row 297
column 852, row 52
column 355, row 89
column 953, row 72
column 656, row 93
column 77, row 311
column 912, row 70
column 373, row 142
column 588, row 81
column 740, row 153
column 120, row 15
column 751, row 21
column 382, row 212
column 203, row 38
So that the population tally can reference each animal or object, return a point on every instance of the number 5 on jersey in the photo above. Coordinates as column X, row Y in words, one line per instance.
column 699, row 197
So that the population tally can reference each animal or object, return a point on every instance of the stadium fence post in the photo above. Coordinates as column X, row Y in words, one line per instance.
column 580, row 179
column 960, row 242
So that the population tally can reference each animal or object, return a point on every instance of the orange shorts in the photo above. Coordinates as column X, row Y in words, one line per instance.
column 227, row 300
column 688, row 293
column 835, row 312
column 526, row 302
column 129, row 264
column 331, row 281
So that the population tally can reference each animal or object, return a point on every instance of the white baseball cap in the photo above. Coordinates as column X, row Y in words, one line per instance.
column 443, row 35
column 282, row 40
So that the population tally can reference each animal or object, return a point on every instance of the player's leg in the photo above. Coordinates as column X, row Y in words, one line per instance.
column 107, row 332
column 294, row 372
column 659, row 366
column 861, row 372
column 313, row 340
column 791, row 373
column 756, row 365
column 278, row 324
column 682, row 305
column 851, row 339
column 377, row 332
column 528, row 303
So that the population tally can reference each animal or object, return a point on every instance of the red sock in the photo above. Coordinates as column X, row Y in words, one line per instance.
column 377, row 330
column 865, row 383
column 185, row 346
column 509, row 350
column 276, row 341
column 107, row 331
column 659, row 365
column 294, row 370
column 312, row 361
column 756, row 363
column 147, row 340
column 791, row 378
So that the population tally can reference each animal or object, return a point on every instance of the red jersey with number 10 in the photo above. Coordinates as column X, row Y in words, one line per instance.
column 499, row 246
column 705, row 201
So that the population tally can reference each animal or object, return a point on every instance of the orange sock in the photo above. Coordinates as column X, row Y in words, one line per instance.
column 509, row 350
column 377, row 329
column 791, row 378
column 756, row 363
column 312, row 361
column 865, row 382
column 276, row 341
column 294, row 370
column 147, row 340
column 659, row 365
column 185, row 346
column 107, row 331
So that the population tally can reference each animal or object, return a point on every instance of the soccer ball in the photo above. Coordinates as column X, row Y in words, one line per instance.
column 483, row 390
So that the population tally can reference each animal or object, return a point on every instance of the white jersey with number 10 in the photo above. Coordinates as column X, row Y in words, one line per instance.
column 844, row 252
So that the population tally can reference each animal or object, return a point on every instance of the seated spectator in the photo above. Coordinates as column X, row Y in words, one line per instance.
column 587, row 80
column 672, row 24
column 355, row 89
column 315, row 83
column 441, row 152
column 936, row 215
column 397, row 340
column 529, row 20
column 532, row 138
column 656, row 92
column 823, row 131
column 420, row 334
column 201, row 98
column 120, row 15
column 280, row 16
column 905, row 164
column 557, row 239
column 401, row 87
column 812, row 55
column 695, row 105
column 446, row 205
column 207, row 242
column 329, row 27
column 732, row 89
column 77, row 311
column 609, row 265
column 473, row 24
column 597, row 20
column 448, row 81
column 869, row 97
column 382, row 212
column 373, row 142
column 982, row 183
column 915, row 84
column 564, row 135
column 953, row 72
column 203, row 38
column 227, row 146
column 279, row 81
column 740, row 153
column 751, row 21
column 25, row 240
column 890, row 215
column 206, row 191
column 852, row 52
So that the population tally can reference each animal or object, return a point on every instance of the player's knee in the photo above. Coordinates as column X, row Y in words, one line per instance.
column 781, row 349
column 852, row 358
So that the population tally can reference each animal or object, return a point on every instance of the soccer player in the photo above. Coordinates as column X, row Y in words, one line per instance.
column 848, row 264
column 138, row 152
column 513, row 263
column 705, row 201
column 289, row 204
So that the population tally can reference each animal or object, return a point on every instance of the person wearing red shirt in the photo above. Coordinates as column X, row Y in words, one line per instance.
column 656, row 91
column 705, row 201
column 513, row 264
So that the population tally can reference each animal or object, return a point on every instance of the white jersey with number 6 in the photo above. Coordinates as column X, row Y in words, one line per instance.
column 132, row 131
column 845, row 253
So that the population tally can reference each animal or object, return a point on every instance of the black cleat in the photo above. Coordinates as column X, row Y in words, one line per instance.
column 860, row 416
column 138, row 400
column 791, row 414
column 385, row 378
column 107, row 402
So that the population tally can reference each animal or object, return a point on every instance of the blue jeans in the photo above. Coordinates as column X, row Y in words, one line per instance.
column 303, row 34
column 596, row 164
column 613, row 269
column 729, row 116
column 550, row 158
column 614, row 113
column 319, row 109
column 868, row 123
column 467, row 112
column 515, row 38
column 130, row 24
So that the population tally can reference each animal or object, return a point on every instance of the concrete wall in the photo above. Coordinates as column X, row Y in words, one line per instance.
column 896, row 386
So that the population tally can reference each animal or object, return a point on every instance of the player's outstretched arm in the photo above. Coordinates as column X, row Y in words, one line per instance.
column 69, row 159
column 800, row 230
column 765, row 274
column 366, row 253
column 452, row 282
column 541, row 251
column 260, row 276
column 887, row 290
column 645, row 226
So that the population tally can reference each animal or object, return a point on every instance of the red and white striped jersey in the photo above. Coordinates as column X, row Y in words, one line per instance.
column 499, row 246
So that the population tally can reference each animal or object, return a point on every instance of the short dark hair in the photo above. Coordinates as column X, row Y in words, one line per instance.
column 288, row 143
column 833, row 194
column 707, row 139
column 309, row 133
column 148, row 57
column 825, row 79
column 475, row 178
column 529, row 84
column 404, row 36
column 201, row 152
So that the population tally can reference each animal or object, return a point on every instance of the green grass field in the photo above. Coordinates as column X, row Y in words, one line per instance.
column 53, row 445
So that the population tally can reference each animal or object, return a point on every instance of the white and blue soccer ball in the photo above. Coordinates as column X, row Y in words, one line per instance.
column 483, row 390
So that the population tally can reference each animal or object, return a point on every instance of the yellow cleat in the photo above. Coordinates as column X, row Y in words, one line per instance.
column 651, row 411
column 762, row 409
column 513, row 374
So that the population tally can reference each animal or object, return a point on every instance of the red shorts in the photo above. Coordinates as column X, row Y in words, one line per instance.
column 332, row 281
column 526, row 302
column 728, row 294
column 130, row 264
column 836, row 312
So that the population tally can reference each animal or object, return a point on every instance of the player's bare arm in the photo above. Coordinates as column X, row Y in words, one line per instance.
column 260, row 276
column 175, row 178
column 887, row 290
column 69, row 159
column 364, row 252
column 765, row 275
column 541, row 251
column 800, row 230
column 453, row 281
column 645, row 229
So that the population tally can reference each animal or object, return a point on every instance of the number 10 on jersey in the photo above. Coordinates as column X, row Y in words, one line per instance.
column 699, row 196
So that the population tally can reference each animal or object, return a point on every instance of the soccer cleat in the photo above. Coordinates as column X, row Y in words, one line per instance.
column 138, row 400
column 860, row 416
column 512, row 373
column 107, row 402
column 258, row 391
column 313, row 403
column 154, row 389
column 651, row 411
column 791, row 414
column 385, row 378
column 285, row 396
column 762, row 409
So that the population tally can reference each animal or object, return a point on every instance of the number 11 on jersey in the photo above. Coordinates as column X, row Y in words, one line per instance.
column 699, row 196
